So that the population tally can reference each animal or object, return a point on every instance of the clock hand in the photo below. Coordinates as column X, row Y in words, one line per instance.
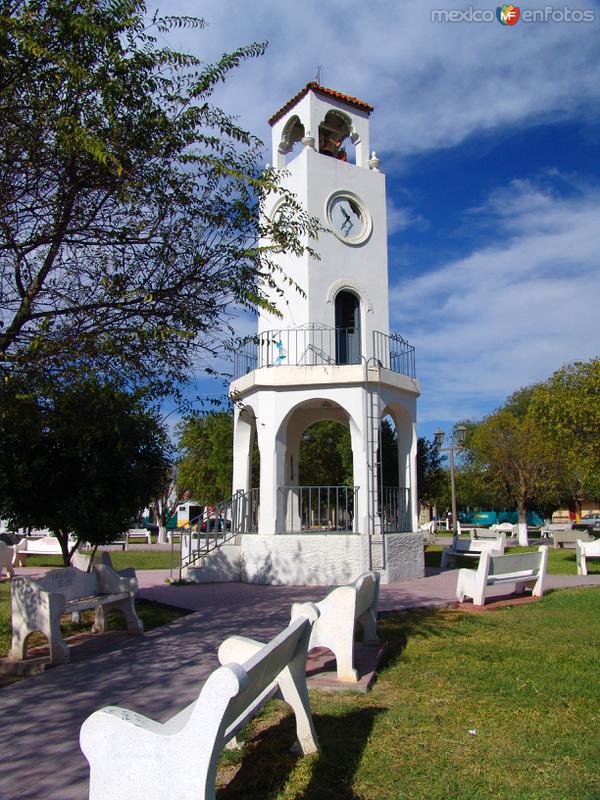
column 347, row 222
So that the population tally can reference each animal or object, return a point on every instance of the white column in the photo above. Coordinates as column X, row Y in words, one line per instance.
column 272, row 446
column 360, row 461
column 242, row 450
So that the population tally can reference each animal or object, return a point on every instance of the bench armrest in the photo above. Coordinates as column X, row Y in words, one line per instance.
column 32, row 604
column 238, row 649
column 111, row 582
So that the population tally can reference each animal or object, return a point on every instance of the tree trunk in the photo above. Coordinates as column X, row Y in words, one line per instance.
column 92, row 557
column 162, row 534
column 63, row 540
column 522, row 524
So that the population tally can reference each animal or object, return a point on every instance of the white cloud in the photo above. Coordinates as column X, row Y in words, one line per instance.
column 401, row 217
column 510, row 313
column 433, row 84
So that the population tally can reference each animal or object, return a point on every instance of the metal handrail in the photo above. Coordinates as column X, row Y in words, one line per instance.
column 225, row 521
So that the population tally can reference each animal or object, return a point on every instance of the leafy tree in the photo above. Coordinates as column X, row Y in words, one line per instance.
column 431, row 476
column 567, row 406
column 128, row 202
column 164, row 505
column 517, row 458
column 326, row 455
column 78, row 456
column 205, row 466
column 389, row 453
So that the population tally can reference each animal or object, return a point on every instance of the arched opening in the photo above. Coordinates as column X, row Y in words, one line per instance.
column 334, row 137
column 325, row 477
column 246, row 472
column 319, row 447
column 347, row 328
column 394, row 501
column 293, row 133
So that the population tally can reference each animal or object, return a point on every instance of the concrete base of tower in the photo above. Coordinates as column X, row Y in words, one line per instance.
column 312, row 559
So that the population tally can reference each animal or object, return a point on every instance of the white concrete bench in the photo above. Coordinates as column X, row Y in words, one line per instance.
column 549, row 530
column 561, row 538
column 338, row 613
column 586, row 549
column 39, row 546
column 484, row 533
column 523, row 570
column 134, row 757
column 507, row 528
column 471, row 548
column 428, row 530
column 137, row 533
column 39, row 603
column 7, row 557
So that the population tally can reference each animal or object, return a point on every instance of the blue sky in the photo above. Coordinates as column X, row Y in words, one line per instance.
column 489, row 136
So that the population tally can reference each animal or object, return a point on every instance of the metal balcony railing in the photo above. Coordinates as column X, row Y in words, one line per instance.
column 394, row 353
column 394, row 509
column 315, row 345
column 318, row 509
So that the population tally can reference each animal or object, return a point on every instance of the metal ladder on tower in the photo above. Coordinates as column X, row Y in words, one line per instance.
column 377, row 555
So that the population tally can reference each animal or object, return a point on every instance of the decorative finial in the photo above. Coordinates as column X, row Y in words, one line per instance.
column 374, row 162
column 318, row 75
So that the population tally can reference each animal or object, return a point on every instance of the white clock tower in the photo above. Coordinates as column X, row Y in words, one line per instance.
column 329, row 356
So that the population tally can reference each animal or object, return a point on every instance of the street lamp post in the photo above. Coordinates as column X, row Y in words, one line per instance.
column 460, row 432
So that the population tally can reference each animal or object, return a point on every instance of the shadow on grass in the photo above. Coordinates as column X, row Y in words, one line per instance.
column 397, row 628
column 268, row 764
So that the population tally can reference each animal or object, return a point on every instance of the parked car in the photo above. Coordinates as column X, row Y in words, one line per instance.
column 589, row 523
column 215, row 524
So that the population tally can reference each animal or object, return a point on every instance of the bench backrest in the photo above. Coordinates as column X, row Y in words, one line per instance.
column 49, row 543
column 484, row 533
column 558, row 526
column 367, row 592
column 477, row 545
column 519, row 562
column 507, row 527
column 70, row 582
column 6, row 554
column 589, row 548
column 81, row 561
column 263, row 668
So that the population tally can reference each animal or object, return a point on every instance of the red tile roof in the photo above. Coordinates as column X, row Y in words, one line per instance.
column 315, row 87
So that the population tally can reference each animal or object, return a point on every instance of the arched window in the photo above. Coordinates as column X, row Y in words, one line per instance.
column 347, row 328
column 334, row 133
column 292, row 133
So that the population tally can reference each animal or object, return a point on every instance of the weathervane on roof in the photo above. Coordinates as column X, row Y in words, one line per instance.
column 318, row 75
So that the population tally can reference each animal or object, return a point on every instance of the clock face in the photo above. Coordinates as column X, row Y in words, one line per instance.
column 348, row 219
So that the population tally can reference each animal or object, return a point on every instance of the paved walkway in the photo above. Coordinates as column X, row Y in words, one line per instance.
column 157, row 674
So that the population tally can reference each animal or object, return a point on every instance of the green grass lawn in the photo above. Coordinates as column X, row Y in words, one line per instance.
column 152, row 615
column 140, row 559
column 525, row 678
